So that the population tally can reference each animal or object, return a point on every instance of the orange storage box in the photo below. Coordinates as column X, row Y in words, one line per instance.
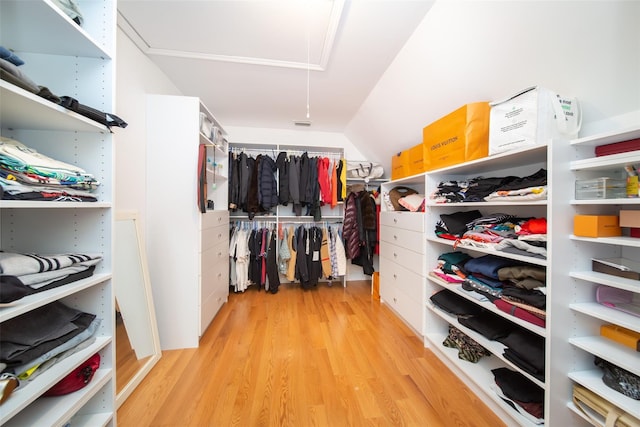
column 596, row 226
column 400, row 165
column 416, row 159
column 458, row 137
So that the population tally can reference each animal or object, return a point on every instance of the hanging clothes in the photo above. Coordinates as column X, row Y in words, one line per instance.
column 272, row 265
column 325, row 258
column 292, row 244
column 283, row 165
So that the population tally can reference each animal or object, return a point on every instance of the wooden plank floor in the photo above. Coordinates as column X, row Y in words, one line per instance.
column 325, row 357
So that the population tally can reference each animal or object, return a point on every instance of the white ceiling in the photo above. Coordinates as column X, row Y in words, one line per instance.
column 254, row 63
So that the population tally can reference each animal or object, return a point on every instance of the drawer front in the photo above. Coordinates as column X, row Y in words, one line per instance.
column 403, row 291
column 213, row 219
column 407, row 258
column 405, row 238
column 209, row 308
column 402, row 279
column 214, row 267
column 407, row 220
column 214, row 236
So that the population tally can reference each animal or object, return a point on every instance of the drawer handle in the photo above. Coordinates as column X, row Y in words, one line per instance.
column 220, row 236
column 395, row 299
column 219, row 253
column 395, row 237
column 395, row 276
column 395, row 220
column 395, row 255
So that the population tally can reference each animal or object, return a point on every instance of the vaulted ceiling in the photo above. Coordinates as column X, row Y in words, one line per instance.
column 266, row 63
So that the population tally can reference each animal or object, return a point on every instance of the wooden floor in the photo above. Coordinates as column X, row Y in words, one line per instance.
column 326, row 357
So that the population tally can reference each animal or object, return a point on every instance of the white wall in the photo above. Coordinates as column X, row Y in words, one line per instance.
column 136, row 76
column 468, row 51
column 305, row 137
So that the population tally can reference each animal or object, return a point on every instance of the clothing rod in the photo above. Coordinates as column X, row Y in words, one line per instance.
column 269, row 151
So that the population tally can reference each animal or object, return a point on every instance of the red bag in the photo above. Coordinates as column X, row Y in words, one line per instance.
column 76, row 379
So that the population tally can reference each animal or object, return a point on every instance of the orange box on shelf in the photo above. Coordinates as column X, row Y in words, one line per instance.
column 400, row 165
column 416, row 159
column 596, row 226
column 621, row 335
column 458, row 137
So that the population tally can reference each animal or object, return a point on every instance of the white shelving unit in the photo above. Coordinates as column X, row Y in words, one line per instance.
column 573, row 315
column 187, row 251
column 517, row 163
column 55, row 48
column 585, row 315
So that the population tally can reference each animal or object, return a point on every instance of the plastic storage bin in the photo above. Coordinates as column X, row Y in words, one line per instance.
column 601, row 188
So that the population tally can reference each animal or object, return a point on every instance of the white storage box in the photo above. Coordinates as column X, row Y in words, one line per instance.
column 532, row 117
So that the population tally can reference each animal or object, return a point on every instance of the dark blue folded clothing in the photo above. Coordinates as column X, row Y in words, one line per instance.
column 10, row 56
column 488, row 265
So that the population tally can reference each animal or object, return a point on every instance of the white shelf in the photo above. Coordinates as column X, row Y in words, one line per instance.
column 45, row 410
column 496, row 348
column 489, row 306
column 607, row 314
column 508, row 159
column 31, row 302
column 607, row 349
column 488, row 204
column 527, row 259
column 591, row 202
column 631, row 132
column 478, row 374
column 57, row 34
column 633, row 242
column 605, row 163
column 25, row 110
column 608, row 280
column 592, row 380
column 20, row 204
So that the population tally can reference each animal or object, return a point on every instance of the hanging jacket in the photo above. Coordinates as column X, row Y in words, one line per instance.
column 324, row 179
column 253, row 205
column 324, row 254
column 291, row 268
column 234, row 182
column 268, row 186
column 294, row 184
column 245, row 169
column 283, row 163
column 334, row 185
column 304, row 178
column 350, row 227
column 302, row 268
column 314, row 265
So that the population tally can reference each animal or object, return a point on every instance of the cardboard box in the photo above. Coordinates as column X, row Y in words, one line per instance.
column 596, row 226
column 458, row 137
column 630, row 219
column 532, row 117
column 621, row 335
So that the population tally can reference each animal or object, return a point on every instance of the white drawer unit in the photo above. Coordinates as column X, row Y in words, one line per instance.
column 214, row 265
column 405, row 220
column 407, row 258
column 403, row 263
column 409, row 239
